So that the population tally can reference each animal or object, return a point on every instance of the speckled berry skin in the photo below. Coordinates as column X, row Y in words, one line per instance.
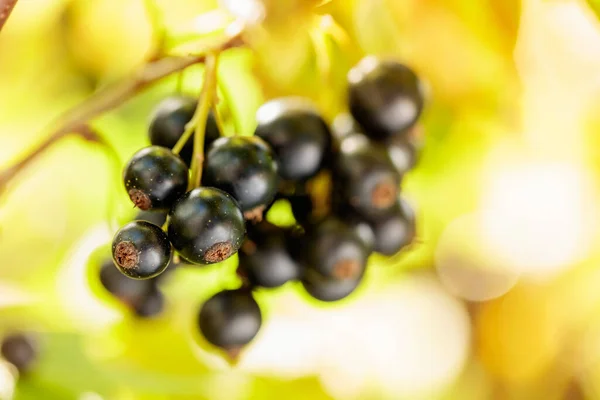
column 385, row 97
column 244, row 167
column 141, row 250
column 155, row 177
column 230, row 319
column 206, row 226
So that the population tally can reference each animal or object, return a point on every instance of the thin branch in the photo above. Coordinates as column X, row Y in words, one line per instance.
column 6, row 7
column 109, row 98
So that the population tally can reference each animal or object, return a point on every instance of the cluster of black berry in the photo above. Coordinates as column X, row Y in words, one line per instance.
column 355, row 211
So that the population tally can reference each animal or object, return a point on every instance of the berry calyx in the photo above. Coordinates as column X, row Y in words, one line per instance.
column 298, row 135
column 365, row 178
column 168, row 122
column 141, row 250
column 335, row 251
column 230, row 320
column 155, row 177
column 245, row 168
column 20, row 350
column 206, row 226
column 385, row 97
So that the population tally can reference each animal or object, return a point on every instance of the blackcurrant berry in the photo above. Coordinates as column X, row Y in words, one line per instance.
column 344, row 125
column 230, row 320
column 404, row 154
column 206, row 226
column 365, row 178
column 302, row 207
column 168, row 122
column 150, row 305
column 396, row 230
column 363, row 230
column 127, row 290
column 328, row 289
column 156, row 217
column 141, row 250
column 20, row 350
column 244, row 167
column 298, row 135
column 155, row 177
column 385, row 97
column 267, row 262
column 335, row 251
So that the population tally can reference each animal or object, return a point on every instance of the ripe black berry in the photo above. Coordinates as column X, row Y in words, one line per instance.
column 168, row 122
column 20, row 350
column 385, row 97
column 128, row 291
column 396, row 230
column 335, row 251
column 365, row 178
column 266, row 261
column 155, row 177
column 206, row 226
column 150, row 305
column 297, row 134
column 141, row 250
column 245, row 168
column 328, row 289
column 230, row 320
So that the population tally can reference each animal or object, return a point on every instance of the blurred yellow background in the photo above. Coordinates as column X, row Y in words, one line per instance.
column 499, row 299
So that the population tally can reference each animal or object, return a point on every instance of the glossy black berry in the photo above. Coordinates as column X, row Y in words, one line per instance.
column 150, row 305
column 328, row 289
column 266, row 261
column 141, row 250
column 365, row 177
column 395, row 231
column 244, row 167
column 344, row 125
column 230, row 320
column 156, row 217
column 206, row 226
column 168, row 122
column 335, row 251
column 155, row 177
column 298, row 135
column 385, row 97
column 362, row 229
column 127, row 290
column 20, row 350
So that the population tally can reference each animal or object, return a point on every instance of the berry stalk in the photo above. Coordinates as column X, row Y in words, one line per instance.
column 206, row 101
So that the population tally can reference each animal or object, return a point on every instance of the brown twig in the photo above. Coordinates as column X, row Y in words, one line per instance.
column 6, row 7
column 109, row 98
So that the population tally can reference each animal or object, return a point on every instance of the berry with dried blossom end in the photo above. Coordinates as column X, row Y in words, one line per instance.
column 244, row 167
column 206, row 226
column 154, row 178
column 141, row 250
